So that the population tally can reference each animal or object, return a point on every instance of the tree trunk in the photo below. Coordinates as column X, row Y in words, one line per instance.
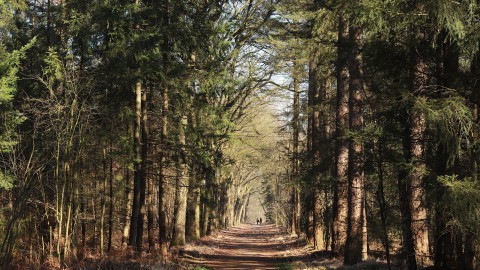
column 295, row 195
column 193, row 211
column 404, row 187
column 245, row 210
column 318, row 134
column 104, row 203
column 147, row 179
column 339, row 228
column 203, row 213
column 416, row 157
column 354, row 249
column 137, row 174
column 318, row 224
column 128, row 208
column 110, row 199
column 181, row 189
column 162, row 217
column 383, row 204
column 412, row 193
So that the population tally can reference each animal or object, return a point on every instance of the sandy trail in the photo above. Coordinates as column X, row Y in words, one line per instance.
column 247, row 247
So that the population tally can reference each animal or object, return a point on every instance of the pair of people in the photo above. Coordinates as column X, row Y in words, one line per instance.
column 259, row 221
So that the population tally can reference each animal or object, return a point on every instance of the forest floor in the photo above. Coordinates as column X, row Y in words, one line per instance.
column 261, row 247
column 247, row 246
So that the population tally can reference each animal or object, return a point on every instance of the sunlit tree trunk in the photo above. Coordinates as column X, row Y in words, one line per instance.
column 339, row 228
column 145, row 178
column 295, row 193
column 128, row 207
column 316, row 93
column 181, row 188
column 162, row 217
column 417, row 152
column 193, row 211
column 318, row 224
column 356, row 236
column 137, row 174
column 411, row 180
column 110, row 198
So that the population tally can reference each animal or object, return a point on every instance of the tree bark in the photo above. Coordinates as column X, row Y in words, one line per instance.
column 128, row 208
column 383, row 203
column 295, row 193
column 137, row 174
column 411, row 187
column 103, row 203
column 193, row 211
column 181, row 189
column 163, row 141
column 145, row 177
column 339, row 228
column 416, row 157
column 354, row 248
column 318, row 224
column 110, row 199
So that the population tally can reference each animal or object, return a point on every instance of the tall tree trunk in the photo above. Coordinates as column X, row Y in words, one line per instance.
column 203, row 213
column 339, row 228
column 181, row 189
column 383, row 203
column 137, row 174
column 411, row 187
column 103, row 203
column 150, row 214
column 404, row 187
column 417, row 152
column 128, row 208
column 318, row 224
column 162, row 217
column 354, row 248
column 146, row 178
column 193, row 211
column 318, row 149
column 245, row 209
column 295, row 195
column 192, row 225
column 110, row 199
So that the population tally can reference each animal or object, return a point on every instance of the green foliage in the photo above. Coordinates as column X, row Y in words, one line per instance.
column 284, row 266
column 7, row 11
column 6, row 181
column 451, row 122
column 463, row 201
column 10, row 117
column 53, row 68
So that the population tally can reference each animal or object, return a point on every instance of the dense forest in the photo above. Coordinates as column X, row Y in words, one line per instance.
column 144, row 125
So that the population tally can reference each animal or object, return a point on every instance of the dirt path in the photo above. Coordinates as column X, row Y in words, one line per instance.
column 247, row 247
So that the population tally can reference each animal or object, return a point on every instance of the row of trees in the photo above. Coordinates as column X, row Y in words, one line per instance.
column 125, row 119
column 118, row 123
column 384, row 144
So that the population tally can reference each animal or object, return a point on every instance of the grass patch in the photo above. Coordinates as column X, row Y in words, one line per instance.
column 201, row 268
column 284, row 266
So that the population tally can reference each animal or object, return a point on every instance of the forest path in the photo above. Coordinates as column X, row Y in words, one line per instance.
column 248, row 246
